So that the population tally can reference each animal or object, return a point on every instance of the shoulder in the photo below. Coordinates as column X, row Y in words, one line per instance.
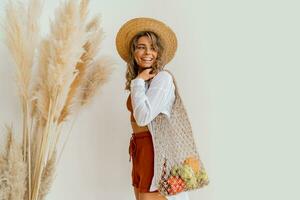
column 163, row 80
column 163, row 76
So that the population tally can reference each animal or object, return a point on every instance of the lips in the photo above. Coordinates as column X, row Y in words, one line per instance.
column 147, row 59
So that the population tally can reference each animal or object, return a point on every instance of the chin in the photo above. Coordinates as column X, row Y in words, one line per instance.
column 147, row 66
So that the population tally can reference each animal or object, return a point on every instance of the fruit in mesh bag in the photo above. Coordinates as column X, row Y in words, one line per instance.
column 175, row 170
column 192, row 183
column 186, row 172
column 202, row 177
column 188, row 175
column 176, row 185
column 193, row 162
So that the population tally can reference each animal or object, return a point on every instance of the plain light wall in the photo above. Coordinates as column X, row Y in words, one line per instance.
column 237, row 67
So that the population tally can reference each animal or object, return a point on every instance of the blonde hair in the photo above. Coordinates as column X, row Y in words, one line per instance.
column 132, row 67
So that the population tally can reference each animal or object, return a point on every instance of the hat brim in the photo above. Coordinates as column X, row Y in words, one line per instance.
column 136, row 25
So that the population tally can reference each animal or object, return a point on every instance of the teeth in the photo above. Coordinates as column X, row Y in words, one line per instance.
column 145, row 59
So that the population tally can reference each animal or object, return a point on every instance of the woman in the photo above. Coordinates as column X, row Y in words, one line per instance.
column 147, row 45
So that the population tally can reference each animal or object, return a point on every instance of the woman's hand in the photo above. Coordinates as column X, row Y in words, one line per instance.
column 146, row 74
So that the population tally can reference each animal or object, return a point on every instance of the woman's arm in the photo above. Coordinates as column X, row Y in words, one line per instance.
column 147, row 105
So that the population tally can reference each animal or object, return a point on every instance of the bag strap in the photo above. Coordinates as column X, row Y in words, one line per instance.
column 174, row 81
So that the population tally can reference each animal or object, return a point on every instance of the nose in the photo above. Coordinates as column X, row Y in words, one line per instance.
column 148, row 50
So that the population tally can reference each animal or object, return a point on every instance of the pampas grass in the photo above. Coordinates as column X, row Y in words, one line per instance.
column 69, row 74
column 47, row 177
column 95, row 77
column 91, row 47
column 14, row 173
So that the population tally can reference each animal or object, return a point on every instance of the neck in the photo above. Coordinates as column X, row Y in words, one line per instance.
column 142, row 69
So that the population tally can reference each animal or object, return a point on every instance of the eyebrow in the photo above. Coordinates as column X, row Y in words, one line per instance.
column 142, row 44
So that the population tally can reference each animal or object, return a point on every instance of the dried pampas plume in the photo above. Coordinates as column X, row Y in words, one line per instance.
column 68, row 75
column 13, row 173
column 95, row 36
column 95, row 77
column 47, row 177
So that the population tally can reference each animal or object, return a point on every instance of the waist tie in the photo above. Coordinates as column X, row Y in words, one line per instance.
column 133, row 146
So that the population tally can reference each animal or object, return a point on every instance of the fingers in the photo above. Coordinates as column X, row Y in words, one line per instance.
column 146, row 74
column 150, row 75
column 148, row 70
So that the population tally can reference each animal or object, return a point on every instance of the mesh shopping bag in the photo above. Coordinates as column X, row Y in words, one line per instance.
column 177, row 166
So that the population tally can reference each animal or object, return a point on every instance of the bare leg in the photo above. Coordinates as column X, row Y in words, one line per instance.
column 151, row 196
column 136, row 193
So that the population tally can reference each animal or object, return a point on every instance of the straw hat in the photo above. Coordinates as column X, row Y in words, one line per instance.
column 136, row 25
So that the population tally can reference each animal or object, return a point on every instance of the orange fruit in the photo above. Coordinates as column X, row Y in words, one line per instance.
column 193, row 162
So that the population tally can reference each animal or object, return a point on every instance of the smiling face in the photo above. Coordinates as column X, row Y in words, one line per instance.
column 145, row 50
column 145, row 54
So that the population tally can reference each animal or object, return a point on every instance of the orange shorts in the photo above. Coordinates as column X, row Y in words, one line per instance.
column 142, row 153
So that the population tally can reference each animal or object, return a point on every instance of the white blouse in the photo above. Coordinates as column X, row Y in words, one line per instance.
column 148, row 100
